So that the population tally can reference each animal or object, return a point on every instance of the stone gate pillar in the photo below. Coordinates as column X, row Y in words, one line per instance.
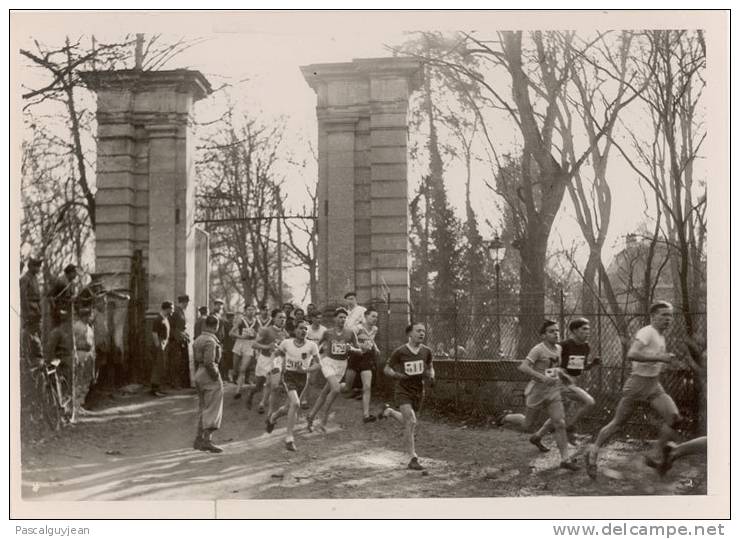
column 363, row 188
column 145, row 199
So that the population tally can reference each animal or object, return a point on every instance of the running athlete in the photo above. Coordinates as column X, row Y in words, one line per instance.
column 574, row 360
column 648, row 354
column 316, row 334
column 337, row 344
column 244, row 332
column 299, row 357
column 365, row 361
column 266, row 375
column 409, row 364
column 544, row 391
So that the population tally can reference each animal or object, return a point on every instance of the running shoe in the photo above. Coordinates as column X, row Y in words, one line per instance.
column 537, row 442
column 571, row 433
column 309, row 423
column 198, row 444
column 211, row 447
column 290, row 446
column 499, row 421
column 569, row 465
column 261, row 409
column 269, row 426
column 381, row 415
column 414, row 464
column 369, row 419
column 304, row 405
column 661, row 466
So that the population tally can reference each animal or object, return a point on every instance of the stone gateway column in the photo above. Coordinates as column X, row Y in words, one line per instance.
column 363, row 187
column 145, row 199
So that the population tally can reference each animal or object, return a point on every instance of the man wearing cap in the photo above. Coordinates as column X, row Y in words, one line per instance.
column 200, row 321
column 31, row 298
column 206, row 356
column 179, row 367
column 62, row 292
column 160, row 336
column 218, row 312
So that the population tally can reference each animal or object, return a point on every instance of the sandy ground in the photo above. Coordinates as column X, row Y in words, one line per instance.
column 139, row 448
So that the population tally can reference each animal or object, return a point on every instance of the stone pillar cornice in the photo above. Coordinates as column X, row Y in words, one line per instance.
column 179, row 80
column 406, row 67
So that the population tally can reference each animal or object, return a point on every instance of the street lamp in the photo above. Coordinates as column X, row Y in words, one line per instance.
column 496, row 247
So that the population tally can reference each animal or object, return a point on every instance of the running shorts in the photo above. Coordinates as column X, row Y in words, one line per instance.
column 294, row 381
column 414, row 398
column 243, row 347
column 642, row 388
column 362, row 362
column 333, row 367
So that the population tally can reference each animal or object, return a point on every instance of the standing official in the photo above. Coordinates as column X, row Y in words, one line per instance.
column 160, row 335
column 210, row 387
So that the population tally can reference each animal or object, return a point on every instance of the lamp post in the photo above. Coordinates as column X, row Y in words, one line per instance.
column 495, row 246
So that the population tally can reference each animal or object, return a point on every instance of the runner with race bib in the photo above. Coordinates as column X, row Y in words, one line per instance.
column 299, row 357
column 409, row 364
column 574, row 361
column 336, row 346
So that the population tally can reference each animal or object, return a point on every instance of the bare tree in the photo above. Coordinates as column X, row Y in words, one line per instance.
column 237, row 192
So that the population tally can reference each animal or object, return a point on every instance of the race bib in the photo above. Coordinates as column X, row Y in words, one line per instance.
column 413, row 368
column 576, row 362
column 552, row 373
column 294, row 364
column 338, row 348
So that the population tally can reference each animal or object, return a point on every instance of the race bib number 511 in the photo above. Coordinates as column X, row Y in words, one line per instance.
column 413, row 368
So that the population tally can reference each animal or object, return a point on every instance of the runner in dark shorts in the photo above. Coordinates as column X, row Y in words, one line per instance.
column 299, row 357
column 364, row 363
column 409, row 364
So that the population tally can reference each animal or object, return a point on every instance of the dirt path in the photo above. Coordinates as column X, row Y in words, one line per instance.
column 139, row 448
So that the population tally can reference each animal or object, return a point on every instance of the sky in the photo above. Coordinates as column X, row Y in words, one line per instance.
column 266, row 49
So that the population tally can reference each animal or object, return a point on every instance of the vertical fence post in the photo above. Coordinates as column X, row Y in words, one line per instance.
column 454, row 346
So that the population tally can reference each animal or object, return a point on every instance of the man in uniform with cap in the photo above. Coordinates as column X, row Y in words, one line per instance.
column 179, row 367
column 206, row 356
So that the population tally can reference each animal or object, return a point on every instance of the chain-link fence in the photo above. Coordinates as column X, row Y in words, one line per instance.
column 477, row 358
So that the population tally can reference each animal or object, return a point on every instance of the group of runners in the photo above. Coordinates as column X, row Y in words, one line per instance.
column 554, row 368
column 284, row 364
